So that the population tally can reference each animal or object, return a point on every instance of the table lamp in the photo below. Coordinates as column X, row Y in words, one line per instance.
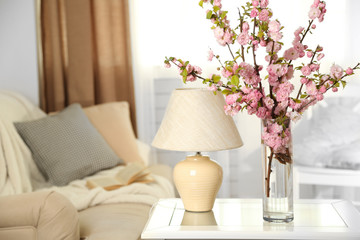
column 195, row 121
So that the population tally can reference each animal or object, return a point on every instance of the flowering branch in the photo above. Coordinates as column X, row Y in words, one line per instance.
column 241, row 82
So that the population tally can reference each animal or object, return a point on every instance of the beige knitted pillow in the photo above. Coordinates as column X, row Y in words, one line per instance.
column 112, row 120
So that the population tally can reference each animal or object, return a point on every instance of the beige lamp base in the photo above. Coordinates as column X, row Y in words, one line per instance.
column 198, row 180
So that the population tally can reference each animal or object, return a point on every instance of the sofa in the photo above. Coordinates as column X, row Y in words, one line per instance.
column 44, row 196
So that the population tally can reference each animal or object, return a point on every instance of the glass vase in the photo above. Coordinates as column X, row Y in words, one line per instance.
column 277, row 165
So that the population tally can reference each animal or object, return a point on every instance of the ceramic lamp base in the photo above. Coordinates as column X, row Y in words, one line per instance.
column 198, row 180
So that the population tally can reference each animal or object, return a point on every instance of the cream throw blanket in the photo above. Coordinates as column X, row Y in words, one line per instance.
column 19, row 173
column 82, row 197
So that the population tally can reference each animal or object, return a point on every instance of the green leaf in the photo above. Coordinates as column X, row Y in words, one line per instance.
column 184, row 73
column 343, row 83
column 201, row 3
column 226, row 92
column 216, row 78
column 223, row 14
column 216, row 8
column 235, row 80
column 303, row 96
column 208, row 15
column 184, row 79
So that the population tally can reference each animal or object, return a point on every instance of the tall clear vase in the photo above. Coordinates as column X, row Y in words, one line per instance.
column 277, row 165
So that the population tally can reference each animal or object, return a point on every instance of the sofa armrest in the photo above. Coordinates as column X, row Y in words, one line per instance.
column 45, row 215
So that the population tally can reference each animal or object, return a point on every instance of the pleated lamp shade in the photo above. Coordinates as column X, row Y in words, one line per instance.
column 195, row 121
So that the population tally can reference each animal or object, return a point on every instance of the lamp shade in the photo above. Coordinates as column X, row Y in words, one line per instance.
column 195, row 121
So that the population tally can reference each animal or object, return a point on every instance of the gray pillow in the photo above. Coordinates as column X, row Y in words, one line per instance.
column 66, row 146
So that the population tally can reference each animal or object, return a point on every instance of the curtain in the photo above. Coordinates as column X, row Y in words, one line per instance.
column 85, row 53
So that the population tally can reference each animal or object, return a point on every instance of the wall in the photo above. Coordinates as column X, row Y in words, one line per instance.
column 18, row 58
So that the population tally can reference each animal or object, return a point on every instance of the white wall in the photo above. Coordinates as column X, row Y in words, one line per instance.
column 18, row 59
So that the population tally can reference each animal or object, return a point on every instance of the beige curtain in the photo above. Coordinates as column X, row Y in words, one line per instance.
column 85, row 53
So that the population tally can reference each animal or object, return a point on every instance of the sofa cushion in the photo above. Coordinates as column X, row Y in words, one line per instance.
column 122, row 221
column 66, row 146
column 112, row 120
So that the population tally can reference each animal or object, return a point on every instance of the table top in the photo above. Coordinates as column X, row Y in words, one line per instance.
column 242, row 219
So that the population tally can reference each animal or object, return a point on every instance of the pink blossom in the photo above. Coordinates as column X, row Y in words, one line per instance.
column 281, row 107
column 243, row 38
column 232, row 98
column 283, row 91
column 314, row 13
column 294, row 105
column 334, row 89
column 197, row 70
column 291, row 54
column 254, row 13
column 217, row 3
column 276, row 36
column 247, row 71
column 314, row 67
column 311, row 88
column 235, row 67
column 336, row 71
column 299, row 47
column 252, row 80
column 269, row 47
column 264, row 3
column 228, row 36
column 219, row 33
column 319, row 96
column 322, row 89
column 167, row 65
column 304, row 80
column 349, row 71
column 313, row 26
column 269, row 103
column 296, row 40
column 211, row 55
column 298, row 31
column 295, row 116
column 226, row 73
column 277, row 70
column 264, row 15
column 309, row 54
column 246, row 89
column 273, row 80
column 232, row 110
column 261, row 112
column 245, row 27
column 255, row 3
column 189, row 68
column 320, row 56
column 316, row 3
column 263, row 43
column 190, row 78
column 212, row 88
column 274, row 26
column 251, row 110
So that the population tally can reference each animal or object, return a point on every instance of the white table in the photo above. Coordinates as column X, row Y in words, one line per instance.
column 242, row 219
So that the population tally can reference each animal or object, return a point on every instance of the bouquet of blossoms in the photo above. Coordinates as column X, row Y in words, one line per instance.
column 272, row 98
